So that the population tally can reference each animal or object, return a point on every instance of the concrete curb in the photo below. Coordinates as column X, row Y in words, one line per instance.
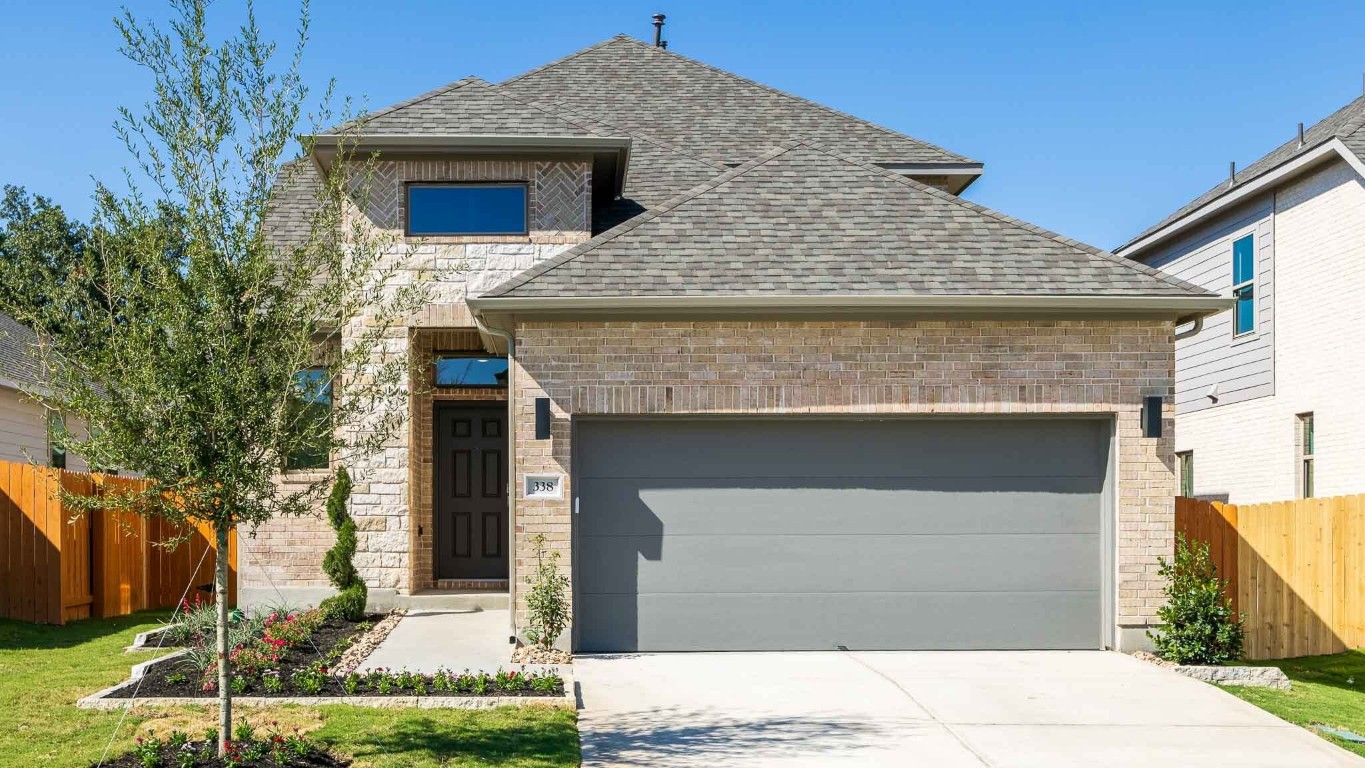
column 568, row 700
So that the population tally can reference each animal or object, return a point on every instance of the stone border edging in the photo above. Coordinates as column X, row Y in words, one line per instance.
column 567, row 700
column 1251, row 677
column 147, row 641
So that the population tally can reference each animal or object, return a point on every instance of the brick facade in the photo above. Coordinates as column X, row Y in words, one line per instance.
column 391, row 497
column 909, row 367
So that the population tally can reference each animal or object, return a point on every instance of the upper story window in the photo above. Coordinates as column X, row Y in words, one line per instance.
column 1244, row 285
column 466, row 371
column 313, row 401
column 466, row 209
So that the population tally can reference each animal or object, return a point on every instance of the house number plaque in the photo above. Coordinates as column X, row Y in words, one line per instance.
column 544, row 487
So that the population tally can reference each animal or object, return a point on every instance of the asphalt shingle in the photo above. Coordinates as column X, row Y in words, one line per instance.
column 805, row 220
column 703, row 110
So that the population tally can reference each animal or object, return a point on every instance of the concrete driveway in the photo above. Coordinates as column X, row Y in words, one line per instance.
column 939, row 709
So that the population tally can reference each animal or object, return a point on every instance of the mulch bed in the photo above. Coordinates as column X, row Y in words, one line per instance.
column 205, row 758
column 329, row 635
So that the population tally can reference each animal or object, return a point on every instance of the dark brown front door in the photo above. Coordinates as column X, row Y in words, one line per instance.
column 471, row 492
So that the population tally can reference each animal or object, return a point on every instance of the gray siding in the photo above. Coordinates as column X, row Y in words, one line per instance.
column 1243, row 368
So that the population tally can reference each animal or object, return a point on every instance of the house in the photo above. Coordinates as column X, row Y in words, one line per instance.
column 1266, row 392
column 29, row 431
column 757, row 372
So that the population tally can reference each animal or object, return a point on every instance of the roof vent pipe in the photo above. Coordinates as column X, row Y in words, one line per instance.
column 1300, row 135
column 659, row 41
column 1232, row 173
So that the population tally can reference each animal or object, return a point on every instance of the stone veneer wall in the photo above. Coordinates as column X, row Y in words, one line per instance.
column 287, row 554
column 967, row 366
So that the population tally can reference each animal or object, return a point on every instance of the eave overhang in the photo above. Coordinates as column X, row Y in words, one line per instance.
column 1182, row 309
column 959, row 175
column 1329, row 150
column 326, row 146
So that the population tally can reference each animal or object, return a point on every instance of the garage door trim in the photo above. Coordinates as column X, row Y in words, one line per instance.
column 1108, row 493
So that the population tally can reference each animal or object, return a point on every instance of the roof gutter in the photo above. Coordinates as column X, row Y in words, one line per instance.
column 1241, row 192
column 1184, row 308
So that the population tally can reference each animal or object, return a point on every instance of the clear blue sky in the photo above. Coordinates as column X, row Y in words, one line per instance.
column 1093, row 119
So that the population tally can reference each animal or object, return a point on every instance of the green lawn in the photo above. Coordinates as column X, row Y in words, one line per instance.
column 1327, row 690
column 43, row 670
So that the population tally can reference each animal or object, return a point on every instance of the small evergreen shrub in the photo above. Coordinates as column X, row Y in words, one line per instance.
column 1199, row 625
column 339, row 563
column 547, row 602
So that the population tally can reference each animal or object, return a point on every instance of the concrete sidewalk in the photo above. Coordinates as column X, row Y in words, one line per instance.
column 429, row 640
column 943, row 709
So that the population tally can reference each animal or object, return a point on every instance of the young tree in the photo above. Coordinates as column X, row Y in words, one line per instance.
column 177, row 331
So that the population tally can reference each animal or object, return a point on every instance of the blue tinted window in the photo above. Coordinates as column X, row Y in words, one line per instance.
column 471, row 372
column 1243, row 260
column 467, row 209
column 1245, row 310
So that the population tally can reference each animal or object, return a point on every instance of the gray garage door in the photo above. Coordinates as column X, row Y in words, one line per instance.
column 809, row 534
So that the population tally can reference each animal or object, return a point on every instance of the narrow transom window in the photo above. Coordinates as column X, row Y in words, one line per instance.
column 1186, row 459
column 1305, row 441
column 56, row 440
column 466, row 209
column 469, row 371
column 1244, row 285
column 312, row 413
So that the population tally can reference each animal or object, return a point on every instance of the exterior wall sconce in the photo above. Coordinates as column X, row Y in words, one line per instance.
column 1151, row 416
column 542, row 418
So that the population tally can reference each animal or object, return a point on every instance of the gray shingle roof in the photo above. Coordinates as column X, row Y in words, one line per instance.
column 804, row 220
column 1346, row 124
column 469, row 107
column 18, row 360
column 703, row 110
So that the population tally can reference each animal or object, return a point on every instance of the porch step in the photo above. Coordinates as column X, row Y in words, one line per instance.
column 454, row 600
column 472, row 585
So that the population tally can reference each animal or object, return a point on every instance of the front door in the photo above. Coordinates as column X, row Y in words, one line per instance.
column 471, row 492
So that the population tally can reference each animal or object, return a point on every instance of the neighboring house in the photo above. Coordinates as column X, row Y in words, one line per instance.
column 772, row 384
column 28, row 430
column 1268, row 393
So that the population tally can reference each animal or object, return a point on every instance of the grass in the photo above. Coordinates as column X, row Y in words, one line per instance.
column 44, row 670
column 1327, row 690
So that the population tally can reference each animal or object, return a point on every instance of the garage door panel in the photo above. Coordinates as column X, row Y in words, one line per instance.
column 783, row 563
column 788, row 533
column 796, row 448
column 856, row 506
column 822, row 621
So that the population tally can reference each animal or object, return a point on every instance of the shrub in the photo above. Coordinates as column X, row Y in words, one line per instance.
column 339, row 563
column 1199, row 625
column 547, row 602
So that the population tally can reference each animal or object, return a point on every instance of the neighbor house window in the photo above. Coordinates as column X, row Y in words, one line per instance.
column 56, row 440
column 1306, row 448
column 1244, row 285
column 468, row 371
column 466, row 209
column 312, row 411
column 1186, row 459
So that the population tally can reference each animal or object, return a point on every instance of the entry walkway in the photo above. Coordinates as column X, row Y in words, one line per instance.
column 431, row 639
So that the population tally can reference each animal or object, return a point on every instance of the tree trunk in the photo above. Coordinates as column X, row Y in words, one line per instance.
column 220, row 578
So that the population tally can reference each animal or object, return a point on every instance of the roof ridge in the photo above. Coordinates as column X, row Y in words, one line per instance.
column 565, row 58
column 466, row 80
column 516, row 281
column 755, row 83
column 1004, row 217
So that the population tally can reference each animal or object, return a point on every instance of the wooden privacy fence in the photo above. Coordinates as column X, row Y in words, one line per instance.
column 58, row 565
column 1296, row 569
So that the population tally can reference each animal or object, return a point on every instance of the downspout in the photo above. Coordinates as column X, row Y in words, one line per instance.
column 512, row 471
column 1192, row 330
